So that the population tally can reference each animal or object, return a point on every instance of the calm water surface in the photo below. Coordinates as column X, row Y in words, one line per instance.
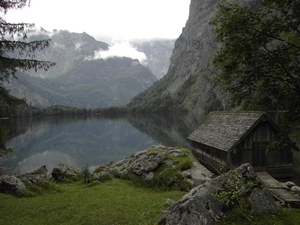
column 78, row 141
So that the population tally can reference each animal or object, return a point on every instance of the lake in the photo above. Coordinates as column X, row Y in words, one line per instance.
column 80, row 141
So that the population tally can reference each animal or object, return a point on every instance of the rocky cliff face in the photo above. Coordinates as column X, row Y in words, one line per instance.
column 187, row 84
column 158, row 54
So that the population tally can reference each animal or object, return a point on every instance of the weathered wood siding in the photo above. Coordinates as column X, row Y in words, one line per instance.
column 254, row 150
column 210, row 152
column 254, row 146
column 232, row 139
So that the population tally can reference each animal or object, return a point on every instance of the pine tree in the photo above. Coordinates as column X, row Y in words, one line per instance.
column 16, row 53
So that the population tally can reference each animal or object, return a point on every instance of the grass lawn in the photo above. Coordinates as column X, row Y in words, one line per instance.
column 113, row 202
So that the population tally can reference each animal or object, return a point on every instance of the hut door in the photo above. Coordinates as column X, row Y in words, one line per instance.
column 259, row 156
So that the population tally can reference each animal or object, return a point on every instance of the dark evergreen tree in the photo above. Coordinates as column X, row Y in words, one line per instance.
column 16, row 53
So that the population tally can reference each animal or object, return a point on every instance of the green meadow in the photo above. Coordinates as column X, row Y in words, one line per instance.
column 113, row 202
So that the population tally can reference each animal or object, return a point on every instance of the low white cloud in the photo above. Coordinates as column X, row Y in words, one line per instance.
column 120, row 49
column 39, row 31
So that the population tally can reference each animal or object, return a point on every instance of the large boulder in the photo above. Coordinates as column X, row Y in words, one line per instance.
column 144, row 162
column 165, row 167
column 206, row 204
column 63, row 173
column 36, row 176
column 11, row 184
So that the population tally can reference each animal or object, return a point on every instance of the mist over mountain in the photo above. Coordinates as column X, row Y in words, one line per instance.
column 158, row 54
column 88, row 73
column 70, row 48
column 187, row 84
column 66, row 50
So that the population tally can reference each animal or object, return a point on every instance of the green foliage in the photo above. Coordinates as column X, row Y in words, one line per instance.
column 37, row 189
column 235, row 196
column 85, row 174
column 258, row 62
column 168, row 175
column 12, row 41
column 40, row 188
column 230, row 195
column 169, row 178
column 3, row 139
column 234, row 193
column 184, row 161
column 24, row 110
column 114, row 202
column 185, row 164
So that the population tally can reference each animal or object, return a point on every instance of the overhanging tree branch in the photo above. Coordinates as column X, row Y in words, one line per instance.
column 260, row 53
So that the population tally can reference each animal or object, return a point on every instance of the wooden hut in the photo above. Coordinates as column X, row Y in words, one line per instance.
column 226, row 140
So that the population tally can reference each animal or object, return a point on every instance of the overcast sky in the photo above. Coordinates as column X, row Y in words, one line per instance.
column 119, row 19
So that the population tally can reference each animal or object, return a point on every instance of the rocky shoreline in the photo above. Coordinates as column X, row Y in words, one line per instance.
column 162, row 167
column 208, row 199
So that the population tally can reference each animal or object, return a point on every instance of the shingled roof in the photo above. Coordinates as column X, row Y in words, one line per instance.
column 224, row 130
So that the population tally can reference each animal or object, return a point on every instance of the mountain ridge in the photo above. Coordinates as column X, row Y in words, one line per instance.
column 113, row 81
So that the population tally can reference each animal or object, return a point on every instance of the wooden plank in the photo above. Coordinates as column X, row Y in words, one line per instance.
column 277, row 190
column 285, row 195
column 269, row 181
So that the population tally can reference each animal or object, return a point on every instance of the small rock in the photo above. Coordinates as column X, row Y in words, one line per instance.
column 169, row 162
column 102, row 176
column 199, row 172
column 170, row 202
column 295, row 189
column 149, row 176
column 288, row 184
column 176, row 153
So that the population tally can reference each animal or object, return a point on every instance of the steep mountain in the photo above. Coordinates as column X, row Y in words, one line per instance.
column 79, row 79
column 66, row 49
column 69, row 48
column 187, row 85
column 96, row 83
column 158, row 54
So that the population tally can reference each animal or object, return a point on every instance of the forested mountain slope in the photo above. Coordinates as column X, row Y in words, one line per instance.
column 187, row 85
column 79, row 79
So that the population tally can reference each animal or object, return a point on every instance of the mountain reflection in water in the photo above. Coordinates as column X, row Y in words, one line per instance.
column 78, row 141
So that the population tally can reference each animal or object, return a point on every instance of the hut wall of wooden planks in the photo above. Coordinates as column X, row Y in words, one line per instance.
column 228, row 139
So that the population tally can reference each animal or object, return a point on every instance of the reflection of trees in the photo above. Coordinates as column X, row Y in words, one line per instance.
column 14, row 127
column 94, row 140
column 167, row 129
